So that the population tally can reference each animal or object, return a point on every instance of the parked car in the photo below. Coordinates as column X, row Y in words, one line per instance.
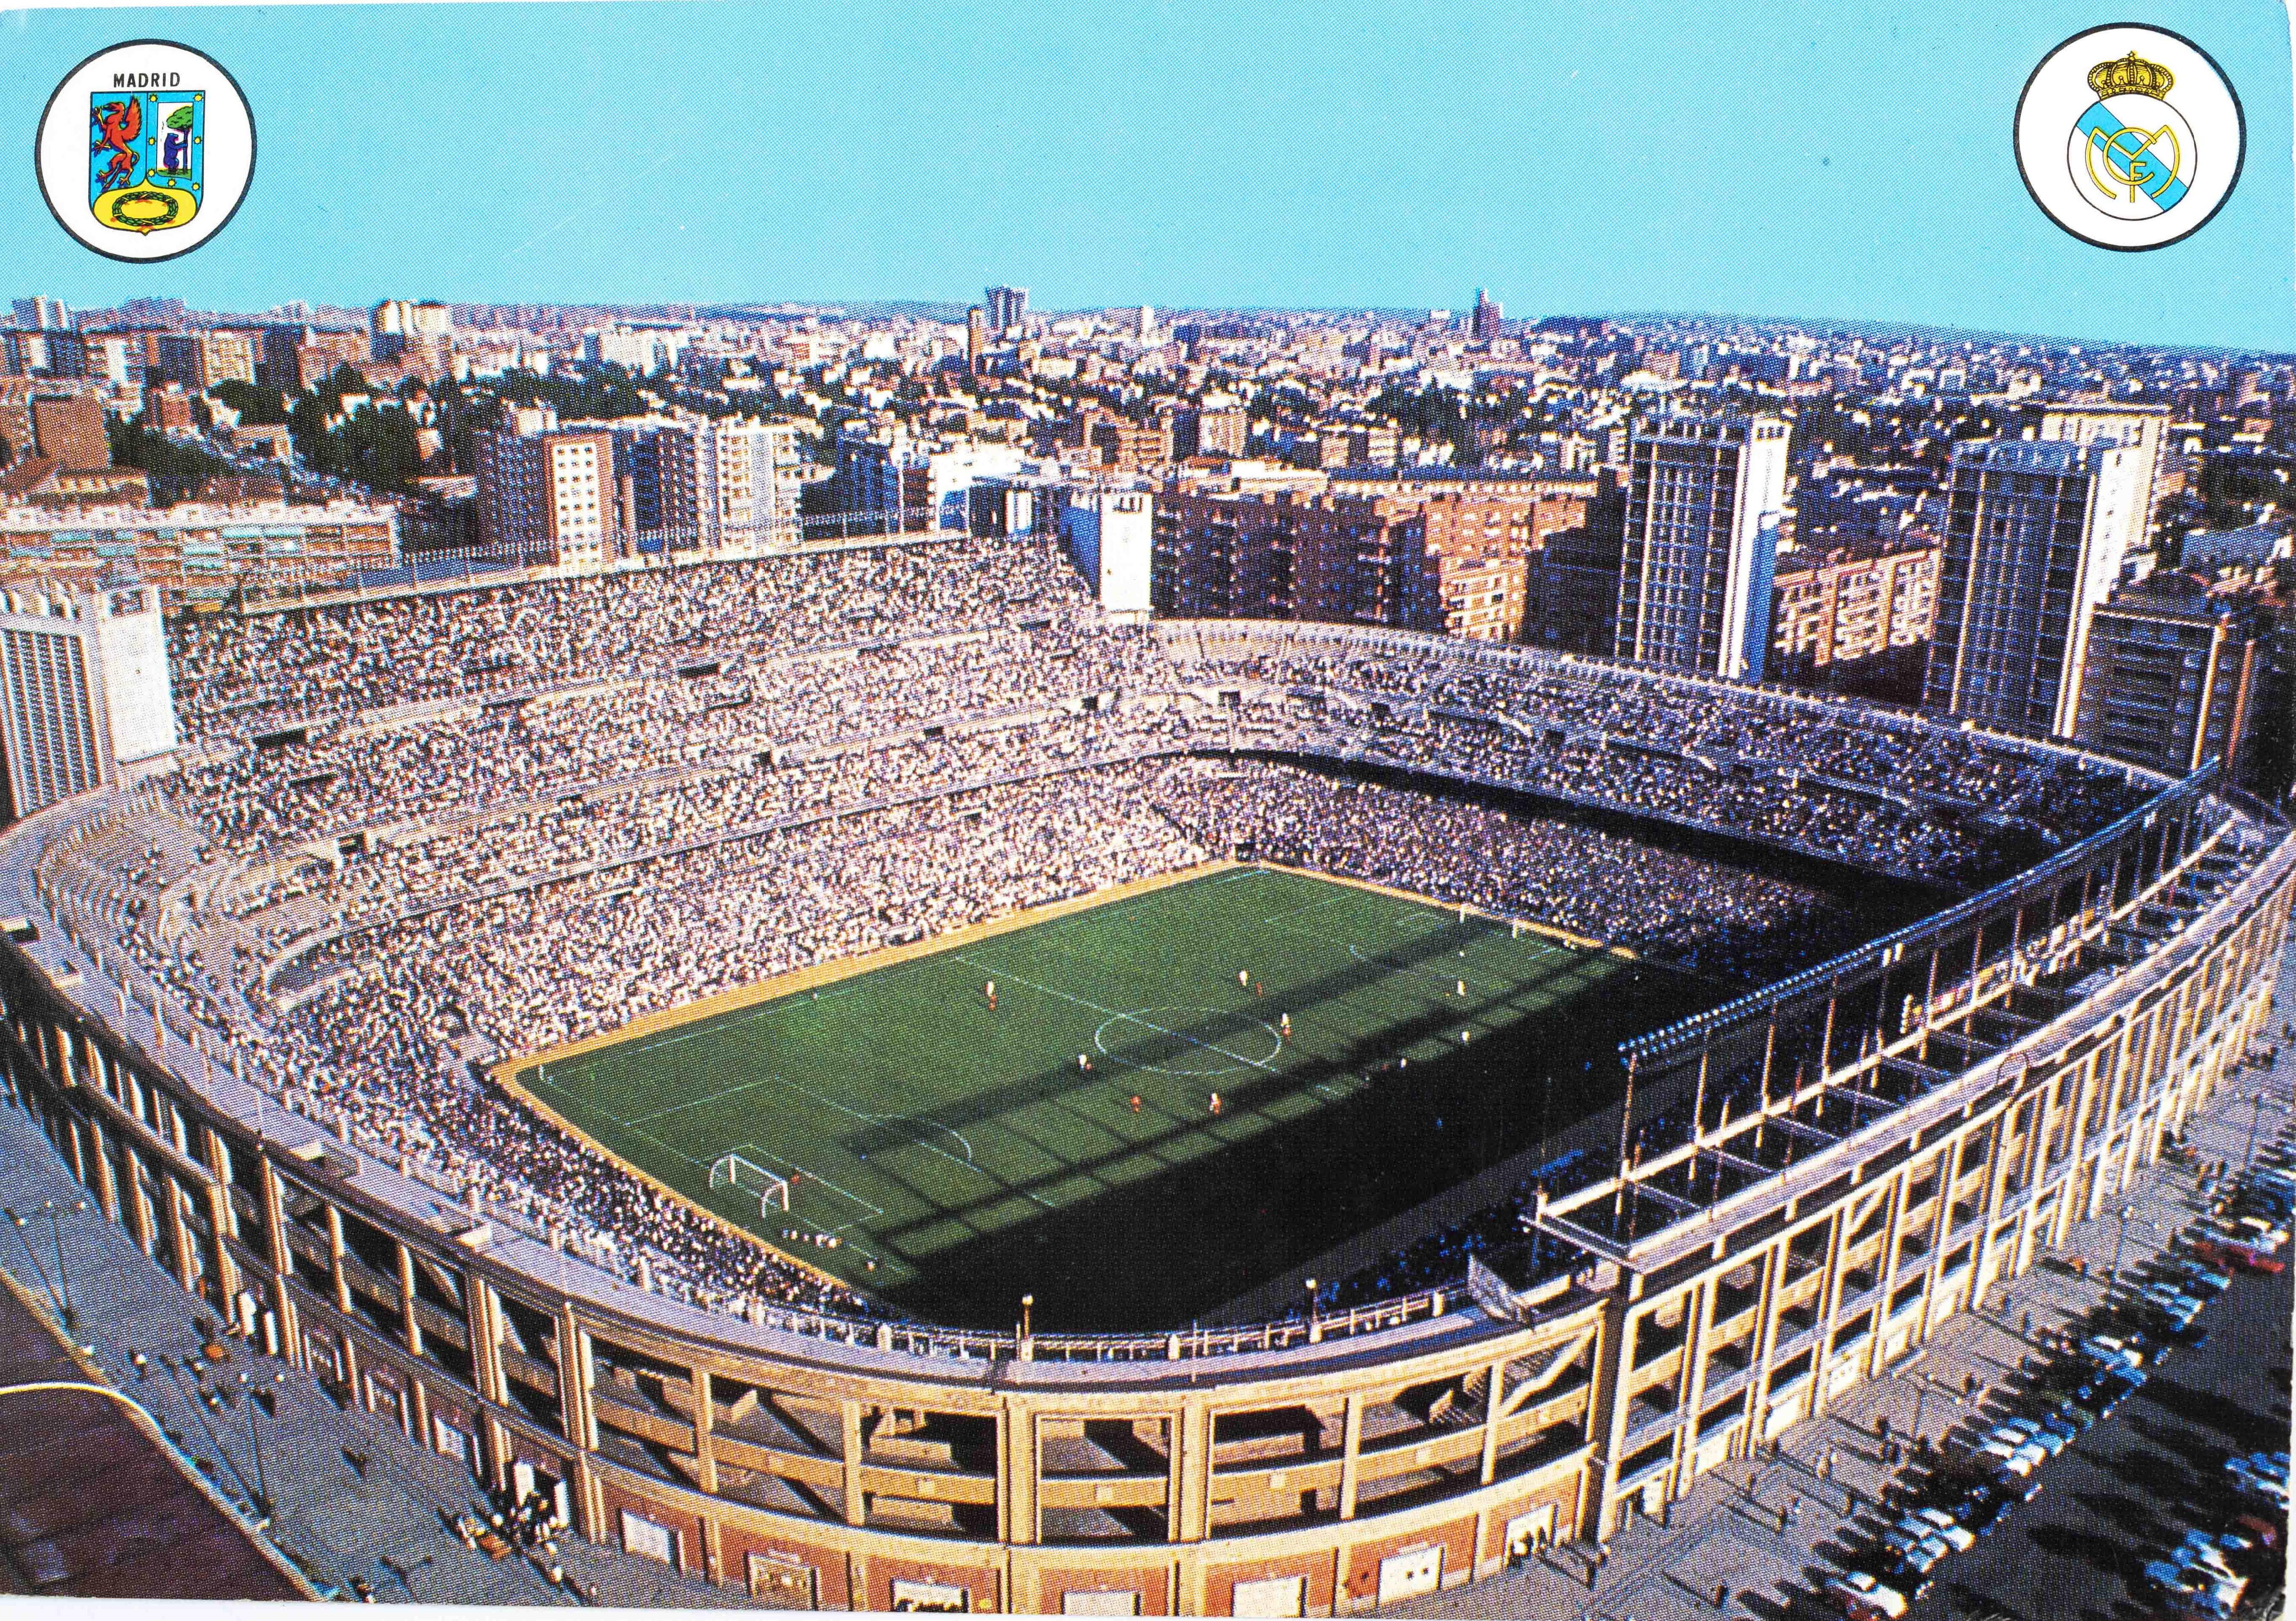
column 2270, row 1465
column 2034, row 1434
column 1981, row 1509
column 2271, row 1494
column 2259, row 1529
column 2008, row 1458
column 2260, row 1234
column 2193, row 1596
column 1911, row 1551
column 2222, row 1248
column 2195, row 1279
column 2172, row 1302
column 2108, row 1350
column 1862, row 1597
column 1938, row 1523
column 2070, row 1416
column 2110, row 1389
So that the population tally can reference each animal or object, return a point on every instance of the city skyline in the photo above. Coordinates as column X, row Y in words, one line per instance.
column 941, row 170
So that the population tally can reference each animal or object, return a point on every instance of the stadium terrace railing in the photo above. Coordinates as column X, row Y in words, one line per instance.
column 1987, row 1077
column 925, row 1339
column 1807, row 981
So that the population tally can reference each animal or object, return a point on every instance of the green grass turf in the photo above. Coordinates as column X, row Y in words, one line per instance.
column 967, row 1154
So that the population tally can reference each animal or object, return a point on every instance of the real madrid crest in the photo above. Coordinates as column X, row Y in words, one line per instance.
column 2129, row 136
column 145, row 150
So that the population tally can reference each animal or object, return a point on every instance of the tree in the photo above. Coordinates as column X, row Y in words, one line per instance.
column 376, row 448
column 1435, row 413
column 176, row 472
column 255, row 405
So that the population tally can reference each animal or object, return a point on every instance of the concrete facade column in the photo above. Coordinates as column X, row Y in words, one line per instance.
column 848, row 1424
column 1494, row 1394
column 1351, row 1452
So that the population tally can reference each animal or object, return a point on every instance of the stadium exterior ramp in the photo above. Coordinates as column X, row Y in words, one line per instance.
column 1809, row 1182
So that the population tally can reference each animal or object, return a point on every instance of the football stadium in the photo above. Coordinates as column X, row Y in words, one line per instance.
column 867, row 1077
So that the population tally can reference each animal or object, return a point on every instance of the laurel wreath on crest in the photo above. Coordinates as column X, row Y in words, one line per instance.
column 138, row 219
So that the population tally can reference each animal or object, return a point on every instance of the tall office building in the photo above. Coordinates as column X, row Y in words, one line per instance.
column 1487, row 318
column 68, row 427
column 1857, row 617
column 1006, row 306
column 2036, row 531
column 550, row 497
column 2140, row 428
column 84, row 689
column 1701, row 544
column 40, row 311
column 1111, row 534
column 2172, row 677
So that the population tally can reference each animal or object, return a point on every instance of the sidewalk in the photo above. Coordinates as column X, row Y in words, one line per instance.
column 1729, row 1530
column 353, row 1501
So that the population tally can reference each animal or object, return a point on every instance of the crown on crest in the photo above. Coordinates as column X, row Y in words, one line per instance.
column 2132, row 74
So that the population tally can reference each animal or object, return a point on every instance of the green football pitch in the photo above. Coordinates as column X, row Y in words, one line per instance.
column 962, row 1156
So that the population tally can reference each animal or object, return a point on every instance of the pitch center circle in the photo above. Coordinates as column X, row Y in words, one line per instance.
column 1222, row 1056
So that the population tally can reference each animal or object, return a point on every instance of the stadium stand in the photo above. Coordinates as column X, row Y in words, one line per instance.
column 411, row 835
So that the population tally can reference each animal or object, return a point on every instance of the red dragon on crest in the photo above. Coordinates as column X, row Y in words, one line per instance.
column 122, row 123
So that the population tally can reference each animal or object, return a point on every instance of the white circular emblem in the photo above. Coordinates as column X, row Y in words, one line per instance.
column 145, row 150
column 2129, row 137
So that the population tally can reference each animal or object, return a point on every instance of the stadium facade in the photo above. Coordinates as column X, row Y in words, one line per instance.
column 1807, row 1182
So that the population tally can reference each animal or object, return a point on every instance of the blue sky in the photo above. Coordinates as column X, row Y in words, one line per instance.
column 1824, row 160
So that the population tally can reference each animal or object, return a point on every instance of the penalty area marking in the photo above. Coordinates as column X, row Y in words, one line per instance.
column 805, row 1178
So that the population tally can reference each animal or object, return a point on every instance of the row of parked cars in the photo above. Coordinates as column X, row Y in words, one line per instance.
column 1994, row 1464
column 2205, row 1574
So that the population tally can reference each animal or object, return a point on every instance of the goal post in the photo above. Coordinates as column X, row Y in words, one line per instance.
column 745, row 1175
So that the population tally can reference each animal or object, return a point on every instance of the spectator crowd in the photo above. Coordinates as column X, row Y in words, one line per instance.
column 415, row 834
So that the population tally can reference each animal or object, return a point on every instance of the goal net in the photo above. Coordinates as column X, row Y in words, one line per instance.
column 748, row 1176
